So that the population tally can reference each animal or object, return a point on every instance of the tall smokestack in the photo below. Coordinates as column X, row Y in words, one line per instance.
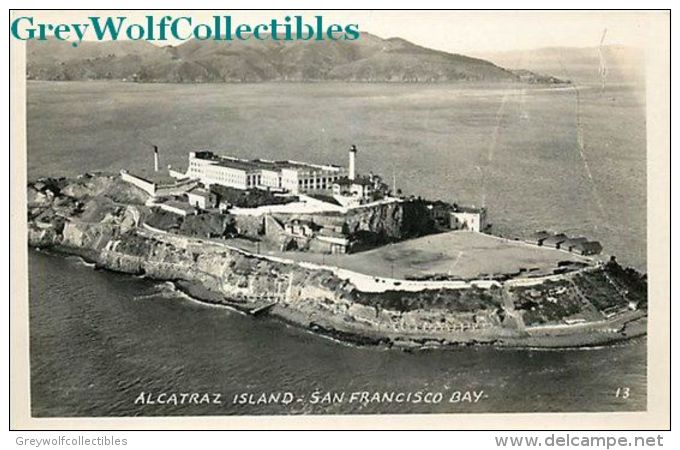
column 352, row 162
column 156, row 163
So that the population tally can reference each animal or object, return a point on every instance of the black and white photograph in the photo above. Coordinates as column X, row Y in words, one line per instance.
column 337, row 213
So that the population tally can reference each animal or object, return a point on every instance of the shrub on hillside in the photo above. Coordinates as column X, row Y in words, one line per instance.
column 163, row 220
column 251, row 198
column 208, row 225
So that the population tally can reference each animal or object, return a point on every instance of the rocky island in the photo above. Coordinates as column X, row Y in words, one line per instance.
column 379, row 284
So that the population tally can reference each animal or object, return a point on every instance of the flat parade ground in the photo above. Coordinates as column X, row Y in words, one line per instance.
column 457, row 253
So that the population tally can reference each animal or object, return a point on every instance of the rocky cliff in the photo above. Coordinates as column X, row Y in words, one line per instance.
column 375, row 225
column 99, row 217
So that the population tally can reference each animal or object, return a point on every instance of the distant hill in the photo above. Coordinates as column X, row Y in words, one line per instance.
column 369, row 59
column 584, row 65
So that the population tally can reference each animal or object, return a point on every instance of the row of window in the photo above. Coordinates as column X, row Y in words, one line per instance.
column 318, row 182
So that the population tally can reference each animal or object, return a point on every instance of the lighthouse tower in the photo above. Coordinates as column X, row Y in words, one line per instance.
column 156, row 163
column 352, row 162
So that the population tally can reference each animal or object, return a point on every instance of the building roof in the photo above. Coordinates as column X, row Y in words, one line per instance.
column 238, row 164
column 329, row 232
column 201, row 192
column 540, row 235
column 468, row 209
column 260, row 164
column 309, row 223
column 590, row 245
column 162, row 177
column 438, row 204
column 555, row 239
column 361, row 181
column 205, row 155
column 183, row 206
column 341, row 240
column 575, row 241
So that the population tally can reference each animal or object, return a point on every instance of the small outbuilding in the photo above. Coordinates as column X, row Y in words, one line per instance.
column 301, row 228
column 555, row 241
column 360, row 187
column 202, row 198
column 330, row 244
column 179, row 208
column 588, row 248
column 468, row 218
column 538, row 237
column 571, row 243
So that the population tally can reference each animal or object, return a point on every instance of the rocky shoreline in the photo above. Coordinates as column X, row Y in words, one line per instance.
column 633, row 327
column 100, row 219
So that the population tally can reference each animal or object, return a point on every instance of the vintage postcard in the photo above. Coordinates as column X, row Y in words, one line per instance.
column 340, row 219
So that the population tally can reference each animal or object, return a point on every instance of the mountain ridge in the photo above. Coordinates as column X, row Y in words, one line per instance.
column 618, row 63
column 369, row 59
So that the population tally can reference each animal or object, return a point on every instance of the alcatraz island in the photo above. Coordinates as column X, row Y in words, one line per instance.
column 340, row 253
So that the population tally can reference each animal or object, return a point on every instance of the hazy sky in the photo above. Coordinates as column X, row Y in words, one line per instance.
column 455, row 31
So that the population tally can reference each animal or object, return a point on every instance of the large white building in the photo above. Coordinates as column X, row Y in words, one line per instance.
column 292, row 176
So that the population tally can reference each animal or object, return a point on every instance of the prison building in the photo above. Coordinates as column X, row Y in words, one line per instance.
column 298, row 177
column 232, row 172
column 292, row 176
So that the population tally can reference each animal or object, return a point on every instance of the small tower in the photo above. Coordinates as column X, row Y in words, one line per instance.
column 156, row 163
column 352, row 162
